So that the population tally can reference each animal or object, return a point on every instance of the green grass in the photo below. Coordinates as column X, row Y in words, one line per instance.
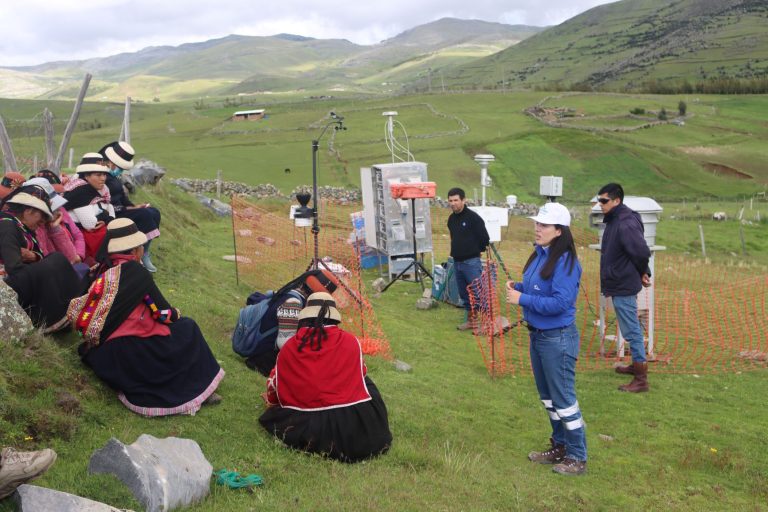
column 666, row 162
column 460, row 438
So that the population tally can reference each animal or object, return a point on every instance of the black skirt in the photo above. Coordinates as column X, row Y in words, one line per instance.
column 146, row 219
column 348, row 434
column 160, row 375
column 45, row 288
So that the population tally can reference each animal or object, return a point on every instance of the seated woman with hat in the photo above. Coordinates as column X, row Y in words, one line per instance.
column 68, row 226
column 54, row 236
column 44, row 285
column 157, row 360
column 319, row 398
column 118, row 156
column 89, row 201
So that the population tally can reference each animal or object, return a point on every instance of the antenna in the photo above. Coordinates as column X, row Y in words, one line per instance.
column 393, row 145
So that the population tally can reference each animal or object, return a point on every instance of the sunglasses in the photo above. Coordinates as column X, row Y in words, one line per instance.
column 603, row 200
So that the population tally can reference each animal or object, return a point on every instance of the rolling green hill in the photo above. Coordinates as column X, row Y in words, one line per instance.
column 625, row 44
column 246, row 65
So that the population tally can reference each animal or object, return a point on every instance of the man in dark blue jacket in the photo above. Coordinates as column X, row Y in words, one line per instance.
column 623, row 273
column 468, row 239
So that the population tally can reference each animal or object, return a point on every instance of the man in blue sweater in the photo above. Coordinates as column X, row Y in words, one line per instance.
column 624, row 271
column 468, row 239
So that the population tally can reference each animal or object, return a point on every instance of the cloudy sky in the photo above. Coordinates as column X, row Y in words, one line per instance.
column 37, row 31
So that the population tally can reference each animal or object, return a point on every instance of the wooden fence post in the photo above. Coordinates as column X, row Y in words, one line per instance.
column 56, row 167
column 743, row 244
column 5, row 145
column 50, row 149
column 125, row 131
column 703, row 245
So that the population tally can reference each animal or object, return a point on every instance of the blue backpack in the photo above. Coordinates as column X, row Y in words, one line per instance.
column 247, row 338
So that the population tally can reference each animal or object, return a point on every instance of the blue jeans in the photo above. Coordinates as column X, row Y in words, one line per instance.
column 626, row 314
column 466, row 272
column 553, row 359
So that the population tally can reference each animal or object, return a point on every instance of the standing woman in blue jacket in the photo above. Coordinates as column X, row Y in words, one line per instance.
column 548, row 297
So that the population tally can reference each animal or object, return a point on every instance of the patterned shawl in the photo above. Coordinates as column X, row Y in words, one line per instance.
column 112, row 297
column 79, row 193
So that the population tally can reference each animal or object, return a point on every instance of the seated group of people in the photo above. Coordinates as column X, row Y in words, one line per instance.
column 76, row 254
column 51, row 229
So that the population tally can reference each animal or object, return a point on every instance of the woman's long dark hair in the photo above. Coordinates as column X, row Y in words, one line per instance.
column 316, row 332
column 559, row 246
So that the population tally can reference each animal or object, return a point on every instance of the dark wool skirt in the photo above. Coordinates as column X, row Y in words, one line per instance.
column 45, row 288
column 348, row 434
column 146, row 219
column 160, row 375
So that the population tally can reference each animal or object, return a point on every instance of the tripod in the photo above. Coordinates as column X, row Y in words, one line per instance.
column 418, row 267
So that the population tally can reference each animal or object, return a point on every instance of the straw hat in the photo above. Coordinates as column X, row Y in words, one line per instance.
column 57, row 201
column 34, row 199
column 91, row 162
column 120, row 153
column 123, row 235
column 10, row 181
column 315, row 303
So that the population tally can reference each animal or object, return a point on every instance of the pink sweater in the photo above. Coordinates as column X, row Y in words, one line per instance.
column 74, row 233
column 61, row 239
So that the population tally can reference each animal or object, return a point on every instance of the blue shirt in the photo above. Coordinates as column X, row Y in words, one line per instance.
column 549, row 303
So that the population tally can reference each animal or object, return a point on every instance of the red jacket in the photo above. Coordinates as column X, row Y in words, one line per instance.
column 311, row 380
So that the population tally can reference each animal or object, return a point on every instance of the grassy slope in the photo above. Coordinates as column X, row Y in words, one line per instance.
column 632, row 41
column 445, row 131
column 460, row 438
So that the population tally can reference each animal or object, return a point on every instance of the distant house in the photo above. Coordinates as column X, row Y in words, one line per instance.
column 248, row 115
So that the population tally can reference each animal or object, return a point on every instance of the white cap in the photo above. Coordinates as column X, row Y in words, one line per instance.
column 553, row 213
column 57, row 201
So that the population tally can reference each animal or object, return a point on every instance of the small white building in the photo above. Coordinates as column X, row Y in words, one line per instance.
column 248, row 115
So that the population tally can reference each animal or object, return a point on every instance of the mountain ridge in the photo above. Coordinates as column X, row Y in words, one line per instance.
column 274, row 62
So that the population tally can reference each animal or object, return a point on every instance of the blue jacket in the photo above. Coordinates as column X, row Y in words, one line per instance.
column 624, row 254
column 549, row 303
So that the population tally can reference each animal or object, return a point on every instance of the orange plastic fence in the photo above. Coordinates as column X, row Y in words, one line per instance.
column 708, row 318
column 270, row 251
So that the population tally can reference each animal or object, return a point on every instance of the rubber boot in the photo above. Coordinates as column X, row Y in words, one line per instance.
column 625, row 370
column 146, row 261
column 639, row 383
